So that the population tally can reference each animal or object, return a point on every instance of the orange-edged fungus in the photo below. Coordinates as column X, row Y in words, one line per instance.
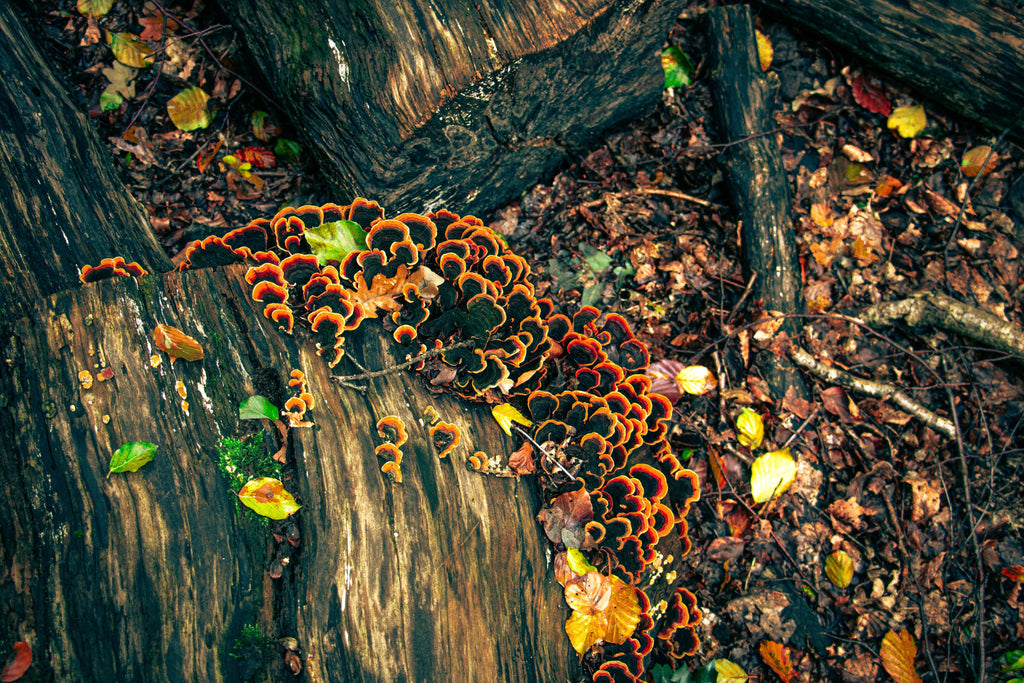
column 394, row 469
column 392, row 428
column 297, row 378
column 478, row 461
column 280, row 314
column 111, row 267
column 176, row 343
column 445, row 436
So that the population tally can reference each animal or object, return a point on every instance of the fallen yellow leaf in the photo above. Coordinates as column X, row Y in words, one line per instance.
column 771, row 475
column 908, row 121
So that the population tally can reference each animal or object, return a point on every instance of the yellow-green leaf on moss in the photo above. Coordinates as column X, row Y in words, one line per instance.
column 577, row 562
column 908, row 121
column 96, row 8
column 131, row 456
column 266, row 496
column 258, row 408
column 505, row 415
column 333, row 241
column 771, row 474
column 839, row 568
column 129, row 49
column 188, row 109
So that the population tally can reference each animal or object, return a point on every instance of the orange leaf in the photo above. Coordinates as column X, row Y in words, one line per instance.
column 267, row 496
column 177, row 344
column 898, row 651
column 379, row 295
column 206, row 155
column 776, row 656
column 188, row 109
column 1014, row 572
column 973, row 159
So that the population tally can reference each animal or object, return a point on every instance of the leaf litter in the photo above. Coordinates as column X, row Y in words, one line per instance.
column 872, row 547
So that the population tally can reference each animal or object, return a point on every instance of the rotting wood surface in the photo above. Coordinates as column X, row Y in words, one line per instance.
column 151, row 575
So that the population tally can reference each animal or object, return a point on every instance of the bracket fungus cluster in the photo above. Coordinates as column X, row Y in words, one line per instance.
column 460, row 305
column 111, row 267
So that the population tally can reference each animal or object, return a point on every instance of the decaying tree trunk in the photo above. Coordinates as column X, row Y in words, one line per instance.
column 967, row 55
column 744, row 99
column 446, row 103
column 62, row 206
column 151, row 575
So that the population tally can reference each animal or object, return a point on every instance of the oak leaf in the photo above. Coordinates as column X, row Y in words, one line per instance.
column 380, row 293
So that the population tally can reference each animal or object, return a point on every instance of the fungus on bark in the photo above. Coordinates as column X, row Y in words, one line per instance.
column 111, row 267
column 392, row 428
column 445, row 436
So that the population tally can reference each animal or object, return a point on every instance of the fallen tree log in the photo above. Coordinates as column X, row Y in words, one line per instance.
column 63, row 206
column 152, row 575
column 428, row 104
column 744, row 100
column 967, row 55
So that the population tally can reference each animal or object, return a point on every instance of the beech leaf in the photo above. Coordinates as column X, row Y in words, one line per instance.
column 729, row 672
column 975, row 157
column 578, row 563
column 266, row 496
column 898, row 652
column 333, row 241
column 129, row 49
column 749, row 428
column 604, row 608
column 131, row 456
column 505, row 414
column 96, row 8
column 771, row 474
column 695, row 380
column 908, row 121
column 677, row 67
column 188, row 109
column 776, row 656
column 258, row 408
column 764, row 50
column 839, row 568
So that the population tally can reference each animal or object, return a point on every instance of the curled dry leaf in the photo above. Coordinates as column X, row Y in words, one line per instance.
column 764, row 50
column 898, row 652
column 521, row 461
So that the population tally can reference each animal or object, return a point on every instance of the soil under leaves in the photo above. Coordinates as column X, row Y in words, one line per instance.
column 642, row 225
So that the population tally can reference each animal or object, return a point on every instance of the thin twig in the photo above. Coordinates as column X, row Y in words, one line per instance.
column 395, row 369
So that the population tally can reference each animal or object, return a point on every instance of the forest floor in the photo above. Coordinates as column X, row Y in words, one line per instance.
column 891, row 524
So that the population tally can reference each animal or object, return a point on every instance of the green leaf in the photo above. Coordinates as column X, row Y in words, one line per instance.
column 663, row 673
column 96, row 8
column 578, row 563
column 591, row 294
column 188, row 109
column 110, row 99
column 595, row 258
column 258, row 408
column 287, row 150
column 129, row 49
column 678, row 68
column 333, row 241
column 131, row 456
column 1012, row 660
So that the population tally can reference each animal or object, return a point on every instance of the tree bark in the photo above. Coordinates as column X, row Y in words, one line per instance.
column 63, row 207
column 744, row 100
column 427, row 104
column 967, row 55
column 151, row 575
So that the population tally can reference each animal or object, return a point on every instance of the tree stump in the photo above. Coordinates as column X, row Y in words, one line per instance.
column 151, row 575
column 967, row 55
column 428, row 104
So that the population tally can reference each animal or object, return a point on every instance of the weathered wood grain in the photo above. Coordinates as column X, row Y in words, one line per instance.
column 63, row 207
column 151, row 575
column 423, row 104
